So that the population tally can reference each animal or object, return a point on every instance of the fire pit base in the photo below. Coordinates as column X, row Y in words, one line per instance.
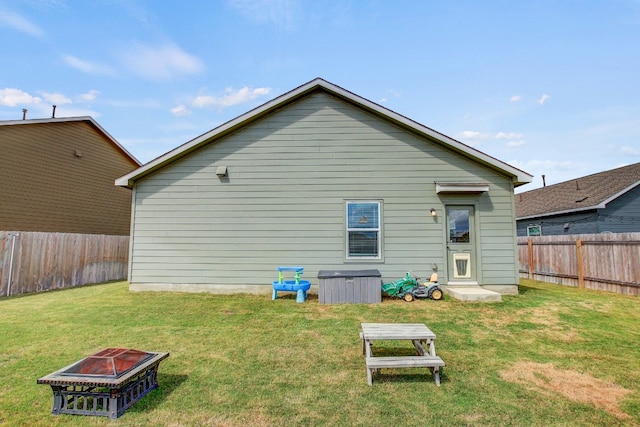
column 97, row 395
column 103, row 401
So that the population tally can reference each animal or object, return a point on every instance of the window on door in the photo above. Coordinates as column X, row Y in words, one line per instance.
column 459, row 225
column 363, row 229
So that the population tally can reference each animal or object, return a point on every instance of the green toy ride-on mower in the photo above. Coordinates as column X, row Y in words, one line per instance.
column 410, row 288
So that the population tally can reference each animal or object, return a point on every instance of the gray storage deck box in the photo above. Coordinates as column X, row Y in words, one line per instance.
column 349, row 286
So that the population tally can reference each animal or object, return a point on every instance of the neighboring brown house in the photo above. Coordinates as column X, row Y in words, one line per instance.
column 56, row 175
column 604, row 202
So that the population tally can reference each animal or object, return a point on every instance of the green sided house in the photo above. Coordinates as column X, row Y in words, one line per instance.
column 325, row 179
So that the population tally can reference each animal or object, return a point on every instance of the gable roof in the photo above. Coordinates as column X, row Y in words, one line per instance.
column 519, row 177
column 585, row 193
column 88, row 119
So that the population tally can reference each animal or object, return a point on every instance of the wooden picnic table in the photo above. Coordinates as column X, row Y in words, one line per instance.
column 422, row 338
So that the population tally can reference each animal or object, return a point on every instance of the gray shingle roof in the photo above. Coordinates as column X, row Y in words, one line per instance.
column 588, row 192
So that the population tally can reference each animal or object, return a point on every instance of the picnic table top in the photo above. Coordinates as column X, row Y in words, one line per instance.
column 396, row 331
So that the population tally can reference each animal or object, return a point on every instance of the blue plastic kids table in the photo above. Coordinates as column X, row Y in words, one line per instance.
column 296, row 285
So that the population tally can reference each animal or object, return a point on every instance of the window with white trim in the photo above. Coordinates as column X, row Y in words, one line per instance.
column 363, row 229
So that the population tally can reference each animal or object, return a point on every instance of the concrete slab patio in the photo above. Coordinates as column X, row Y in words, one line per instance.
column 472, row 294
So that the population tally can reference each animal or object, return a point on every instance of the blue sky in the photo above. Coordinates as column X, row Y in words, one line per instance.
column 550, row 87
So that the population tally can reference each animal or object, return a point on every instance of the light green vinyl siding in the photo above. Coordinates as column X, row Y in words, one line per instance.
column 289, row 175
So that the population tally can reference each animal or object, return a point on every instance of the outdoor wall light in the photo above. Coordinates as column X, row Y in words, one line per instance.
column 433, row 212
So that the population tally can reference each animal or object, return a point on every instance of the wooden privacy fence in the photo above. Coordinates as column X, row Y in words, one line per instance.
column 34, row 262
column 608, row 262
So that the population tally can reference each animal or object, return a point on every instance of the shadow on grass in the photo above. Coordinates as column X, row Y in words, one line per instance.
column 167, row 384
column 292, row 296
column 53, row 290
column 423, row 376
column 524, row 289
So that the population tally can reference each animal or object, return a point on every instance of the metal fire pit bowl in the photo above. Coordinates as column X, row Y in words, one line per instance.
column 104, row 384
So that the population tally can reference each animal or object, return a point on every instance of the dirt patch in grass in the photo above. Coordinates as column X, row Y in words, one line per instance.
column 547, row 317
column 546, row 379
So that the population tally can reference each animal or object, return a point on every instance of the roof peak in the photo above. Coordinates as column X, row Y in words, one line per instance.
column 519, row 177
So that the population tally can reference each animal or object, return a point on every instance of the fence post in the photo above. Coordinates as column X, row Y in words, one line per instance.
column 580, row 264
column 530, row 253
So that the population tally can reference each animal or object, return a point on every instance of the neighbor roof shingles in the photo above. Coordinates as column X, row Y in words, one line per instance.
column 577, row 194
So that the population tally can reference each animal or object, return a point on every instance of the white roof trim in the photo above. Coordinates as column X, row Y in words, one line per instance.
column 72, row 119
column 461, row 187
column 605, row 202
column 519, row 177
column 586, row 208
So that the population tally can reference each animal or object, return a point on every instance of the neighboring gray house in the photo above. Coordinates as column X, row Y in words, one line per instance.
column 603, row 202
column 325, row 179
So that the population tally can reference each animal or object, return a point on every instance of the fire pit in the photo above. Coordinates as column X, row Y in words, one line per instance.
column 106, row 383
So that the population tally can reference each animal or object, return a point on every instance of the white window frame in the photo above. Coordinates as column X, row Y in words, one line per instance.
column 534, row 230
column 377, row 229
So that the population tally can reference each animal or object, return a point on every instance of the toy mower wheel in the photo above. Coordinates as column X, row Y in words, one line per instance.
column 408, row 297
column 436, row 294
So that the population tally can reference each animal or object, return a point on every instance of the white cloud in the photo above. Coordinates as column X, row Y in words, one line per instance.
column 40, row 106
column 543, row 99
column 56, row 98
column 88, row 97
column 473, row 135
column 473, row 138
column 180, row 110
column 515, row 98
column 510, row 135
column 17, row 22
column 281, row 13
column 12, row 97
column 88, row 67
column 230, row 97
column 517, row 143
column 391, row 92
column 160, row 62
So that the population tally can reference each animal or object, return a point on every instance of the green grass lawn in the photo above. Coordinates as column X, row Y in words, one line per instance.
column 552, row 355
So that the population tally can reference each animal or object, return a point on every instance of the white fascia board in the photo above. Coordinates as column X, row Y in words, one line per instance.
column 605, row 202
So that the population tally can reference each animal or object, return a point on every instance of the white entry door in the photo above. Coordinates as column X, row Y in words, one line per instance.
column 460, row 244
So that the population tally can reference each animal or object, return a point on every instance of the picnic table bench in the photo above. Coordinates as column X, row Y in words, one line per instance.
column 420, row 336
